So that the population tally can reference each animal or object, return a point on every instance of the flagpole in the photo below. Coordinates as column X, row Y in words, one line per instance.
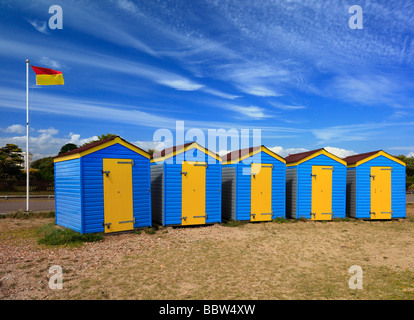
column 27, row 136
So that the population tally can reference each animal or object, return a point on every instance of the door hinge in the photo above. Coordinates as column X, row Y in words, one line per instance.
column 105, row 172
column 184, row 173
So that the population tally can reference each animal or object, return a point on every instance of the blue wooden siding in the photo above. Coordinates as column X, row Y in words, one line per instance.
column 93, row 204
column 172, row 194
column 172, row 186
column 363, row 187
column 243, row 186
column 304, row 186
column 68, row 199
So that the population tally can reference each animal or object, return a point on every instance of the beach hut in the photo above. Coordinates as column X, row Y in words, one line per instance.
column 253, row 184
column 315, row 185
column 375, row 186
column 103, row 186
column 186, row 186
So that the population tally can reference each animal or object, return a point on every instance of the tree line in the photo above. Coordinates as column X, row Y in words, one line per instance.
column 12, row 164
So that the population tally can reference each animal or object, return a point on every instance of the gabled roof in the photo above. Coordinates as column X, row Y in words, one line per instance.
column 172, row 151
column 298, row 158
column 98, row 145
column 359, row 159
column 239, row 155
column 168, row 151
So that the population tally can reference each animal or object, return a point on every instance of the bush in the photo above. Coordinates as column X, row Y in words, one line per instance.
column 152, row 230
column 234, row 223
column 280, row 220
column 53, row 235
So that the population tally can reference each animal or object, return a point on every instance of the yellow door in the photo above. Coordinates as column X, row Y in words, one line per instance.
column 193, row 197
column 321, row 193
column 261, row 192
column 381, row 193
column 118, row 210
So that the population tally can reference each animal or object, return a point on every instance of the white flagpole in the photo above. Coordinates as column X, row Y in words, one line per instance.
column 27, row 136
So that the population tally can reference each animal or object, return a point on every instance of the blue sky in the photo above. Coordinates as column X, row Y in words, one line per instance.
column 293, row 69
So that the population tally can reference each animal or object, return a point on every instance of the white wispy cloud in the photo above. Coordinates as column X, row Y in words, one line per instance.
column 354, row 132
column 250, row 112
column 286, row 107
column 181, row 84
column 50, row 63
column 369, row 89
column 45, row 142
column 339, row 152
column 14, row 128
column 40, row 26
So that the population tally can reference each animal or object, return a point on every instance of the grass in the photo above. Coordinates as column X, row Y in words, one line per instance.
column 152, row 230
column 52, row 235
column 234, row 223
column 28, row 215
column 279, row 260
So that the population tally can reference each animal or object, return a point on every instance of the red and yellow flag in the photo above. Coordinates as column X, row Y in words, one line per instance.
column 45, row 76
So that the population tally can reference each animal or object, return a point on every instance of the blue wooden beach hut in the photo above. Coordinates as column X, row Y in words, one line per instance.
column 103, row 186
column 375, row 186
column 253, row 184
column 315, row 185
column 186, row 186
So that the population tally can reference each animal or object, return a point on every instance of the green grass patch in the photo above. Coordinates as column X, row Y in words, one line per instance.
column 28, row 215
column 341, row 219
column 234, row 223
column 280, row 220
column 152, row 230
column 52, row 235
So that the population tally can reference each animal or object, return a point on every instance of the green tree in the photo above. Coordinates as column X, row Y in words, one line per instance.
column 68, row 147
column 409, row 170
column 101, row 137
column 11, row 159
column 45, row 168
column 409, row 161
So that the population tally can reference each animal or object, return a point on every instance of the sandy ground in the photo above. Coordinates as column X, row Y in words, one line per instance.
column 300, row 260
